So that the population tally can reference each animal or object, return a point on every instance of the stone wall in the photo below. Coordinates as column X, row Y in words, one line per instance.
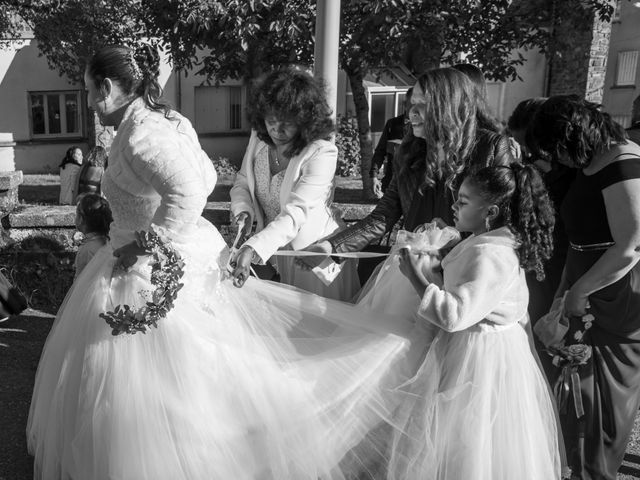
column 579, row 51
column 52, row 228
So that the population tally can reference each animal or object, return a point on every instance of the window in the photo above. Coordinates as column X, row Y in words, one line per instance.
column 219, row 109
column 626, row 70
column 55, row 114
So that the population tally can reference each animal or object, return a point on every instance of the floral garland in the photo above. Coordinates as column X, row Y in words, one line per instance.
column 569, row 358
column 166, row 271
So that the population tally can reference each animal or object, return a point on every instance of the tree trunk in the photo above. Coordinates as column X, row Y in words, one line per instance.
column 356, row 79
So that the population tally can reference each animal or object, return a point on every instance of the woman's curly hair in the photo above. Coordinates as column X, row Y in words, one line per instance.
column 450, row 123
column 568, row 125
column 524, row 207
column 295, row 96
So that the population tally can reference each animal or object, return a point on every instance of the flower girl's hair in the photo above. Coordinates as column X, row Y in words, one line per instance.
column 96, row 213
column 524, row 206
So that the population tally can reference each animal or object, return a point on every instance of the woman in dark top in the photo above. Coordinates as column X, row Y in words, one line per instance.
column 557, row 179
column 444, row 144
column 601, row 213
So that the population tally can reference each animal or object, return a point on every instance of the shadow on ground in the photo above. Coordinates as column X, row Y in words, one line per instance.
column 21, row 341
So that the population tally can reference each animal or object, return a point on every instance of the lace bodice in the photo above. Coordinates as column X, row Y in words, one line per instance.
column 157, row 174
column 267, row 186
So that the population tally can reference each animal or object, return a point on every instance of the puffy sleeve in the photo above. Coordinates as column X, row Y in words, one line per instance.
column 473, row 288
column 171, row 161
column 309, row 191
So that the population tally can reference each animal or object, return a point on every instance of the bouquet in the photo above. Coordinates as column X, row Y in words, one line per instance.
column 166, row 271
column 431, row 243
column 429, row 238
column 568, row 352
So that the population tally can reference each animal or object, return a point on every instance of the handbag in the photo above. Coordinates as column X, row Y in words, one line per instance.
column 12, row 302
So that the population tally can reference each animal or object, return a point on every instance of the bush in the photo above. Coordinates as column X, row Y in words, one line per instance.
column 224, row 167
column 348, row 144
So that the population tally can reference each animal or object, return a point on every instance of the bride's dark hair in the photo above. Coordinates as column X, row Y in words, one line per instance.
column 135, row 70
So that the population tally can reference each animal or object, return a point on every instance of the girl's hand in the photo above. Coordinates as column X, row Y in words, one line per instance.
column 307, row 263
column 576, row 303
column 411, row 267
column 128, row 255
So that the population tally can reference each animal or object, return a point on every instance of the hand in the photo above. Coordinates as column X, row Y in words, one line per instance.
column 243, row 222
column 377, row 187
column 576, row 303
column 411, row 268
column 307, row 263
column 241, row 265
column 127, row 255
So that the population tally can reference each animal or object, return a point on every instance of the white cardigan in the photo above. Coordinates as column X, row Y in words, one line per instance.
column 306, row 194
column 483, row 284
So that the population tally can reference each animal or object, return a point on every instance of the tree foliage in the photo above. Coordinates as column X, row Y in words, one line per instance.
column 243, row 38
column 69, row 31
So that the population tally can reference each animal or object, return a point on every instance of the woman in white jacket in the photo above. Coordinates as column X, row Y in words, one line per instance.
column 286, row 182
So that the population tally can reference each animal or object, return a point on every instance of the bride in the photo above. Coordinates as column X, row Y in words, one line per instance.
column 265, row 382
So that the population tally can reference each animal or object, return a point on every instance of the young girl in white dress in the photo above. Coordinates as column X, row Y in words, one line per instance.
column 93, row 219
column 479, row 407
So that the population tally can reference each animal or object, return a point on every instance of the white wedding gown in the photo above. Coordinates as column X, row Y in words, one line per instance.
column 263, row 382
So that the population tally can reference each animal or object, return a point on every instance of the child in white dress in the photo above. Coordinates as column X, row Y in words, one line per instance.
column 93, row 218
column 479, row 406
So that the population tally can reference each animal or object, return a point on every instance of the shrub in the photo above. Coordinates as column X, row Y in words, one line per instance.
column 224, row 167
column 348, row 144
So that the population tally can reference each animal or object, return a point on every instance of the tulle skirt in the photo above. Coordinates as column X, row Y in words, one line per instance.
column 479, row 408
column 263, row 382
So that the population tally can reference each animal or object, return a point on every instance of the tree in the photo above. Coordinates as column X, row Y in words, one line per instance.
column 243, row 38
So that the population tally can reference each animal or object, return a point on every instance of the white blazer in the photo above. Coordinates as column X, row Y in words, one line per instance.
column 306, row 195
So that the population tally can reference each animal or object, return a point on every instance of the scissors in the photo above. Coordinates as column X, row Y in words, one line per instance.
column 234, row 247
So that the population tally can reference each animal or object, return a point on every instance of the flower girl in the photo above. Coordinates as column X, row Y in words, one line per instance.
column 93, row 219
column 479, row 406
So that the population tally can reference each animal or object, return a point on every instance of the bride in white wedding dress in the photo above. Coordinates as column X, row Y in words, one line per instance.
column 265, row 382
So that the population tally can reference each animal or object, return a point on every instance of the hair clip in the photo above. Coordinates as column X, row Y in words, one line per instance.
column 136, row 73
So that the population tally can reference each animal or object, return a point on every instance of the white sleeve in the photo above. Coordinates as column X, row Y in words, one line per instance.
column 241, row 200
column 178, row 170
column 472, row 291
column 311, row 190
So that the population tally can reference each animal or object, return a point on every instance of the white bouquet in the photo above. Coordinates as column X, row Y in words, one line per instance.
column 428, row 239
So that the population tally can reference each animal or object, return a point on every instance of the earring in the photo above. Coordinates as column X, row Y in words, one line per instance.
column 487, row 224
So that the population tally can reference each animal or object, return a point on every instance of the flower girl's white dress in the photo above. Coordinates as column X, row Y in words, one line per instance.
column 479, row 407
column 263, row 382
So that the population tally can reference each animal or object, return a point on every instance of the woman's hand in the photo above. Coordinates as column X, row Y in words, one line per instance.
column 128, row 255
column 576, row 303
column 307, row 263
column 411, row 267
column 243, row 222
column 241, row 265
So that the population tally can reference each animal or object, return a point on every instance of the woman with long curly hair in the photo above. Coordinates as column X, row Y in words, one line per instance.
column 600, row 282
column 286, row 181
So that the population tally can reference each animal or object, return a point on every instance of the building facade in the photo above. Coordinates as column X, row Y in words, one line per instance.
column 622, row 82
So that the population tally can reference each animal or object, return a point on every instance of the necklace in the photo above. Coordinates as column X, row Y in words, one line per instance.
column 276, row 158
